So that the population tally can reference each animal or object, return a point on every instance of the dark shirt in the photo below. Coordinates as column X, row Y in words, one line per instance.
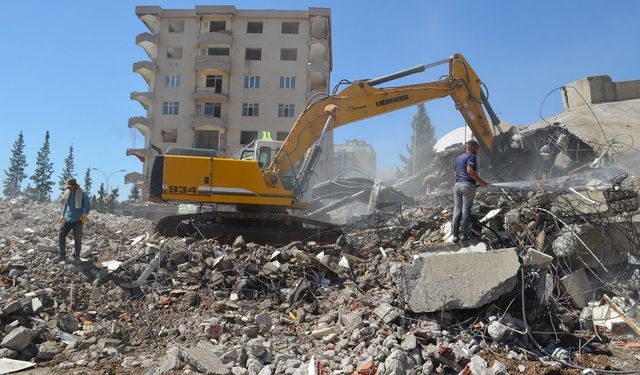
column 464, row 160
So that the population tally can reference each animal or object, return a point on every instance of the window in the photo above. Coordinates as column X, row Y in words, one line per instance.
column 217, row 26
column 246, row 137
column 253, row 54
column 170, row 108
column 250, row 109
column 254, row 27
column 212, row 110
column 281, row 136
column 206, row 139
column 169, row 136
column 215, row 51
column 286, row 110
column 287, row 82
column 176, row 26
column 214, row 81
column 172, row 80
column 251, row 82
column 290, row 27
column 288, row 54
column 174, row 53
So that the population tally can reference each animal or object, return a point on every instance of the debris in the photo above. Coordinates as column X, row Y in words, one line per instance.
column 578, row 287
column 435, row 282
column 11, row 365
column 18, row 339
column 623, row 315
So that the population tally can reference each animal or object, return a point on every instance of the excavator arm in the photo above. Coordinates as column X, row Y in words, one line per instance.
column 361, row 100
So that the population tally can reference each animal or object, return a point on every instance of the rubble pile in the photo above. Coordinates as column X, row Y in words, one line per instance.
column 549, row 283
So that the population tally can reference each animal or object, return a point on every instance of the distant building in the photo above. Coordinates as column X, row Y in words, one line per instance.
column 355, row 158
column 217, row 77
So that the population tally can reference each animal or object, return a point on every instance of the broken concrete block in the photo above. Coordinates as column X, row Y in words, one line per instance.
column 387, row 313
column 8, row 353
column 204, row 358
column 48, row 350
column 605, row 316
column 17, row 339
column 497, row 331
column 11, row 307
column 578, row 287
column 537, row 259
column 458, row 281
column 409, row 342
column 239, row 242
column 477, row 366
column 68, row 323
column 352, row 321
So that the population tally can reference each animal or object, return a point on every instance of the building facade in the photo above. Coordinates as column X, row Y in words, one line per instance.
column 354, row 158
column 218, row 77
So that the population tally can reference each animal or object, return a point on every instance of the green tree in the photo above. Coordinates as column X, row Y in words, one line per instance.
column 42, row 183
column 15, row 174
column 87, row 182
column 69, row 168
column 134, row 194
column 423, row 138
column 101, row 200
column 112, row 200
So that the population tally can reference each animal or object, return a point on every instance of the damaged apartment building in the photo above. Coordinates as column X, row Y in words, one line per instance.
column 219, row 77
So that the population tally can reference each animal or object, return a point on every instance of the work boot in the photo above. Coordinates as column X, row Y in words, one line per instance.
column 76, row 259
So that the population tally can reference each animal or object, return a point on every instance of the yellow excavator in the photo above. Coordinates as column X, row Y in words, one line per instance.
column 261, row 190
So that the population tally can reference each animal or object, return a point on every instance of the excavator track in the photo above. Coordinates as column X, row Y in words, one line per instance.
column 263, row 228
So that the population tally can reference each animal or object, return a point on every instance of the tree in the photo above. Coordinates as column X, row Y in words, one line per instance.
column 69, row 168
column 423, row 138
column 42, row 184
column 87, row 182
column 15, row 174
column 101, row 201
column 112, row 200
column 134, row 194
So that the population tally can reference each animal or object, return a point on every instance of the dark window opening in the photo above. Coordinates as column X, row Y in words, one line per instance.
column 288, row 54
column 217, row 26
column 247, row 137
column 290, row 27
column 215, row 82
column 253, row 54
column 254, row 27
column 206, row 139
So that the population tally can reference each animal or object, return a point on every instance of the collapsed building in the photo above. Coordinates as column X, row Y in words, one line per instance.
column 548, row 285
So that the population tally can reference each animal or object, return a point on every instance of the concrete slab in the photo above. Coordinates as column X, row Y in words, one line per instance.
column 457, row 280
column 203, row 357
column 11, row 365
column 578, row 287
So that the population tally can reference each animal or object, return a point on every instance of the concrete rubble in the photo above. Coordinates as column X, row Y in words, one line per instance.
column 528, row 294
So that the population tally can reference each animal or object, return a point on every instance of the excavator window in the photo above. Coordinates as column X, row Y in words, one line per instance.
column 264, row 157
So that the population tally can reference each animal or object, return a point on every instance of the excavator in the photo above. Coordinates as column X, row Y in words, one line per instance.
column 262, row 190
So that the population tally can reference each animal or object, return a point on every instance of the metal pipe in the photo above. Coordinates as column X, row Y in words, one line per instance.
column 404, row 73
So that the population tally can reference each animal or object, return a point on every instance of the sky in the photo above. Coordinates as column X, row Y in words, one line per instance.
column 68, row 66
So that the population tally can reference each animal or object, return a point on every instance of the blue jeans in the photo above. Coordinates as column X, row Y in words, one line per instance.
column 463, row 194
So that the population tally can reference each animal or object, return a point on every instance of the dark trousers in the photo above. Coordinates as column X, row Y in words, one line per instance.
column 65, row 228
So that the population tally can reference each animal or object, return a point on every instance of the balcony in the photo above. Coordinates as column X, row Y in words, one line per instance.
column 150, row 15
column 143, row 154
column 148, row 42
column 134, row 178
column 318, row 76
column 146, row 69
column 144, row 98
column 141, row 123
column 201, row 122
column 210, row 94
column 215, row 37
column 319, row 51
column 222, row 63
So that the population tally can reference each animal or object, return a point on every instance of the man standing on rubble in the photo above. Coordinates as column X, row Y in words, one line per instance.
column 75, row 208
column 464, row 190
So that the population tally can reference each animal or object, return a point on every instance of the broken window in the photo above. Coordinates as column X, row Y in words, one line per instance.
column 253, row 54
column 206, row 139
column 281, row 136
column 290, row 27
column 169, row 136
column 287, row 82
column 212, row 110
column 250, row 109
column 286, row 110
column 247, row 137
column 254, row 27
column 176, row 26
column 174, row 53
column 170, row 108
column 217, row 26
column 214, row 81
column 172, row 80
column 251, row 82
column 288, row 54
